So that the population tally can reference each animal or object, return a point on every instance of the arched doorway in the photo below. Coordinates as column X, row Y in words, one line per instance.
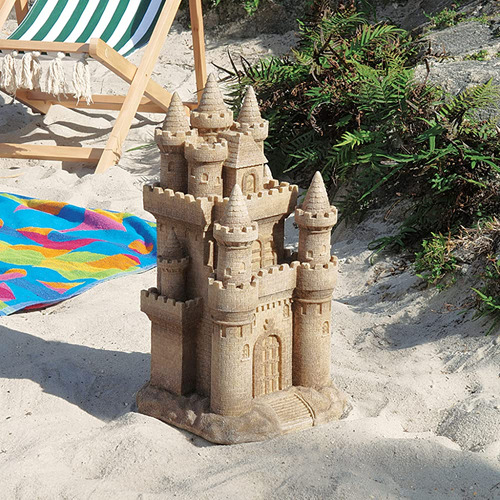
column 266, row 366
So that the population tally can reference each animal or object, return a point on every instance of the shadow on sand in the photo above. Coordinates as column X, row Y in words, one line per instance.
column 101, row 382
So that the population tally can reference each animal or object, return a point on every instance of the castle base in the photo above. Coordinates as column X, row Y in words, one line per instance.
column 278, row 413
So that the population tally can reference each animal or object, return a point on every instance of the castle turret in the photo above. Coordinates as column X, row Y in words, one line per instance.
column 316, row 277
column 212, row 115
column 315, row 218
column 205, row 153
column 235, row 234
column 250, row 118
column 205, row 162
column 232, row 299
column 170, row 139
column 172, row 265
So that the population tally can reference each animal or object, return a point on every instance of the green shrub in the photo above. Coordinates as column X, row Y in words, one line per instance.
column 435, row 261
column 481, row 55
column 446, row 18
column 250, row 6
column 345, row 102
column 489, row 295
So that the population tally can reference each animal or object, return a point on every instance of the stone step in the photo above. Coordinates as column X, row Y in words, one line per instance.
column 292, row 411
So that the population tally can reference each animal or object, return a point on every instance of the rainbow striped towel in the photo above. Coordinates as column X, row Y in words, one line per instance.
column 51, row 251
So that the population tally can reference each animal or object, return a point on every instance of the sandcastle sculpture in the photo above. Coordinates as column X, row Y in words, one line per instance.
column 240, row 341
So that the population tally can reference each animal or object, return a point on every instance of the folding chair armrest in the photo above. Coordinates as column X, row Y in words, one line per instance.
column 30, row 45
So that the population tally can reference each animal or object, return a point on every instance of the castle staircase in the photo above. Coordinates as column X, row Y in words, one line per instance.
column 292, row 411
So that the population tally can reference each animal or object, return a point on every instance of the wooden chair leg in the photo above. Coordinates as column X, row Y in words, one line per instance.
column 200, row 65
column 109, row 58
column 112, row 151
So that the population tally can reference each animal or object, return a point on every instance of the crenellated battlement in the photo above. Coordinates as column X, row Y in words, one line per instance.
column 165, row 138
column 203, row 152
column 258, row 130
column 161, row 308
column 211, row 120
column 173, row 264
column 232, row 235
column 279, row 199
column 332, row 263
column 324, row 219
column 317, row 277
column 232, row 298
column 276, row 279
column 243, row 288
column 179, row 206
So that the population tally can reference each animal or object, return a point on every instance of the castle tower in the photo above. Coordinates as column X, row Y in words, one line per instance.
column 172, row 321
column 212, row 115
column 172, row 265
column 232, row 300
column 205, row 153
column 205, row 162
column 250, row 118
column 316, row 279
column 170, row 140
column 315, row 219
column 235, row 234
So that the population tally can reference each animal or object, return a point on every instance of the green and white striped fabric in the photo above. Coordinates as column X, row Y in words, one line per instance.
column 125, row 25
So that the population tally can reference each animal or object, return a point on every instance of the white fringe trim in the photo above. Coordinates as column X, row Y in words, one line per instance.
column 31, row 71
column 55, row 79
column 30, row 74
column 8, row 77
column 81, row 80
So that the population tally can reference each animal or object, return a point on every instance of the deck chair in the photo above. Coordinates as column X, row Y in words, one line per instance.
column 107, row 31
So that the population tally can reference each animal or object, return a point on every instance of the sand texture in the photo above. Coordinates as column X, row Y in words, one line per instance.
column 421, row 377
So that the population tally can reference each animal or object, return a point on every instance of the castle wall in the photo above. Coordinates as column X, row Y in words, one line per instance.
column 273, row 318
column 271, row 238
column 173, row 354
column 249, row 178
column 204, row 355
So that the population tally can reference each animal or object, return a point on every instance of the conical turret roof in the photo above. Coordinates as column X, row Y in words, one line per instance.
column 316, row 198
column 250, row 112
column 173, row 249
column 176, row 119
column 211, row 99
column 236, row 212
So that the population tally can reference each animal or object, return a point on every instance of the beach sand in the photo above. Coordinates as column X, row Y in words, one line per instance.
column 422, row 378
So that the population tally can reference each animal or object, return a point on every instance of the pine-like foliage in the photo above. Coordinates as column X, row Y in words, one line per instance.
column 345, row 102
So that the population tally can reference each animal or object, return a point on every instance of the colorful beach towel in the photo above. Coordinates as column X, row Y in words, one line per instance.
column 51, row 251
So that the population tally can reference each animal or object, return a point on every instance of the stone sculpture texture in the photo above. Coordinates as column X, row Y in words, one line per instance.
column 240, row 338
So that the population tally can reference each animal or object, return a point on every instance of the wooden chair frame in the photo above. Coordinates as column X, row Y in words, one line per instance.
column 144, row 94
